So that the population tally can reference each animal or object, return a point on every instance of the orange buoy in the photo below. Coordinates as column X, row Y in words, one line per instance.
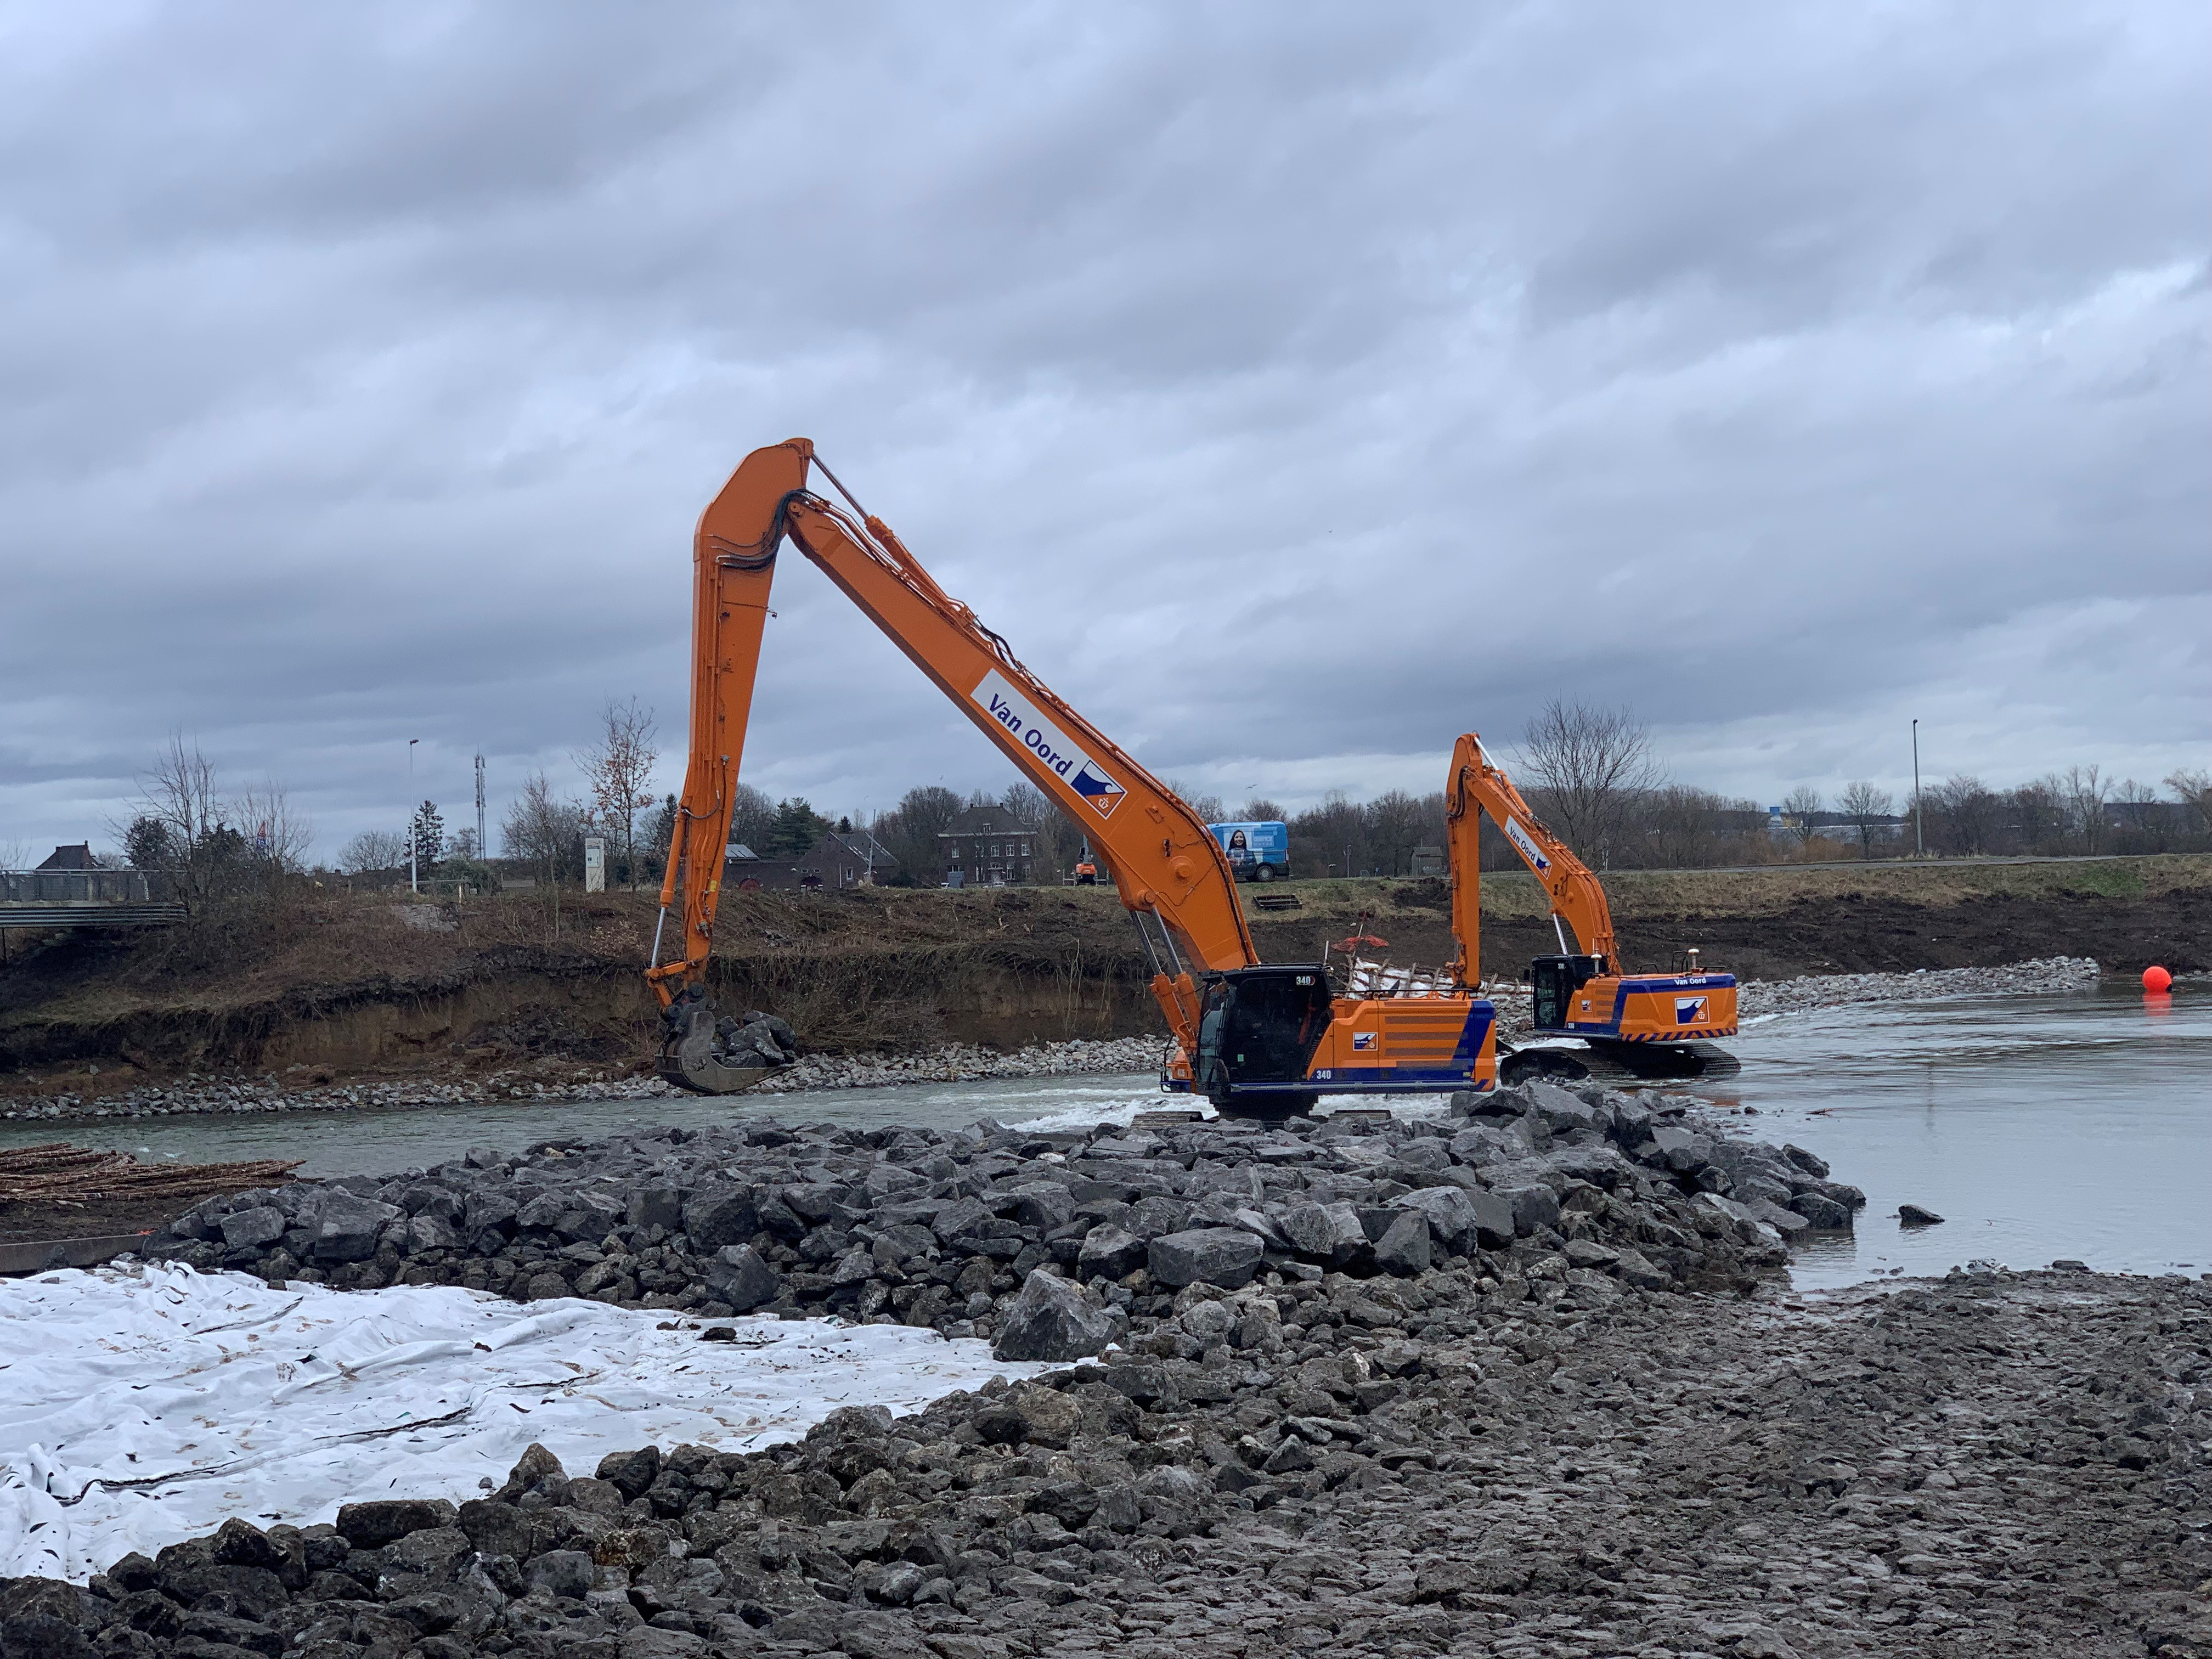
column 2157, row 979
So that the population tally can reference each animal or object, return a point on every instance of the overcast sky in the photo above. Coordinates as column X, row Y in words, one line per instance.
column 1294, row 386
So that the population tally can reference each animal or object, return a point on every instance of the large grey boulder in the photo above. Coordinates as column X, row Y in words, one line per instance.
column 1811, row 1163
column 542, row 1214
column 1639, row 1270
column 1683, row 1151
column 565, row 1575
column 1563, row 1112
column 1049, row 1320
column 1404, row 1247
column 1109, row 1252
column 489, row 1207
column 1461, row 1220
column 1536, row 1208
column 1632, row 1119
column 1156, row 1215
column 655, row 1207
column 1788, row 1223
column 1044, row 1207
column 346, row 1227
column 1325, row 1232
column 960, row 1220
column 736, row 1275
column 1227, row 1256
column 720, row 1216
column 1822, row 1211
column 430, row 1231
column 250, row 1228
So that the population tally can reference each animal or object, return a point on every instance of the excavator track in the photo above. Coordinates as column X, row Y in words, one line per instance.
column 1621, row 1065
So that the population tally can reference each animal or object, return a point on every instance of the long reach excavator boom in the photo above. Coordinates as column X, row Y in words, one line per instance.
column 1171, row 872
column 1646, row 1025
column 1257, row 1039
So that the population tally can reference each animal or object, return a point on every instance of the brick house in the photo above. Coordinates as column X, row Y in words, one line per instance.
column 841, row 859
column 990, row 847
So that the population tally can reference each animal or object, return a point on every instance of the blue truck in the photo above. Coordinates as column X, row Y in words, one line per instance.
column 1257, row 852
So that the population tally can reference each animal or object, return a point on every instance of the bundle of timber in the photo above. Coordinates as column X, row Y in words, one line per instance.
column 57, row 1172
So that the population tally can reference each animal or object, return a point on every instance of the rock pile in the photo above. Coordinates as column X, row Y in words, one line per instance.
column 270, row 1092
column 1537, row 1190
column 2041, row 976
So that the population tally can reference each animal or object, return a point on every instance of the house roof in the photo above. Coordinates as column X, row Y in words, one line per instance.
column 986, row 821
column 78, row 857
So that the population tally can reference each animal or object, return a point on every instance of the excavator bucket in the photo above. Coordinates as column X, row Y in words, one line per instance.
column 698, row 1050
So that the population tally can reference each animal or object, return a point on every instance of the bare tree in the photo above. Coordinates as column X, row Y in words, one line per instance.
column 2137, row 806
column 752, row 815
column 619, row 769
column 1966, row 813
column 1587, row 764
column 2084, row 789
column 201, row 853
column 1798, row 807
column 374, row 850
column 1867, row 808
column 1332, row 838
column 1682, row 825
column 14, row 855
column 2192, row 786
column 279, row 834
column 1397, row 822
column 2038, row 812
column 1211, row 809
column 1261, row 810
column 1059, row 843
column 546, row 830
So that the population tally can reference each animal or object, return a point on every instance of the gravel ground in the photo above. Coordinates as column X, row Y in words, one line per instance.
column 1989, row 1464
column 955, row 1063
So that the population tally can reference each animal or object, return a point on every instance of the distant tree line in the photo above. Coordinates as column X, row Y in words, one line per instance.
column 1590, row 772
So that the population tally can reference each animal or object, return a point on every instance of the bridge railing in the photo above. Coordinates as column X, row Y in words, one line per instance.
column 86, row 898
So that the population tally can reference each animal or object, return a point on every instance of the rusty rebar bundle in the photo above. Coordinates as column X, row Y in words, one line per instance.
column 58, row 1172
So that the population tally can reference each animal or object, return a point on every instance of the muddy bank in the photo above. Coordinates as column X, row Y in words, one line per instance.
column 353, row 988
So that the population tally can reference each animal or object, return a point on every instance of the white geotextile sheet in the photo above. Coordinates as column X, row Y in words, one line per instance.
column 144, row 1406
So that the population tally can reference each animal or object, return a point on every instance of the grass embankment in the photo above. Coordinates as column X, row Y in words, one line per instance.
column 351, row 984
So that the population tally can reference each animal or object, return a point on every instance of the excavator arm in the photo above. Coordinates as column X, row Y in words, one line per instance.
column 1631, row 1026
column 1478, row 786
column 1171, row 873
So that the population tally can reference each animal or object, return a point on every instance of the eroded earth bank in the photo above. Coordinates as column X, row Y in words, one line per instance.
column 1522, row 1383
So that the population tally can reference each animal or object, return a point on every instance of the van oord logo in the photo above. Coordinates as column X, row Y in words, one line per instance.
column 1521, row 839
column 1051, row 746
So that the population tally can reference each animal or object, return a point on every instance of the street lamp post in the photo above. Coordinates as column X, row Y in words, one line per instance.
column 414, row 881
column 1919, row 846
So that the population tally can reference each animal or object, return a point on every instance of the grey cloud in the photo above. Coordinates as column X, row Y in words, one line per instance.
column 1294, row 390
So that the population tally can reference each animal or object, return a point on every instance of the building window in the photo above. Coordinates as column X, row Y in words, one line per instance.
column 1025, row 849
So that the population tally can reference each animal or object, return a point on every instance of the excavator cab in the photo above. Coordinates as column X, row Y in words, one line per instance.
column 1256, row 1039
column 1553, row 981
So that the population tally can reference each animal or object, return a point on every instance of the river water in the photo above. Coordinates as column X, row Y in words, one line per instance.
column 2041, row 1127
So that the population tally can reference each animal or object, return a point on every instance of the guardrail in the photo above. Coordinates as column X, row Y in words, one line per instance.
column 86, row 898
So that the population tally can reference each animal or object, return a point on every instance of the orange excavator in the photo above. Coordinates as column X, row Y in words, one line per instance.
column 1257, row 1039
column 1621, row 1026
